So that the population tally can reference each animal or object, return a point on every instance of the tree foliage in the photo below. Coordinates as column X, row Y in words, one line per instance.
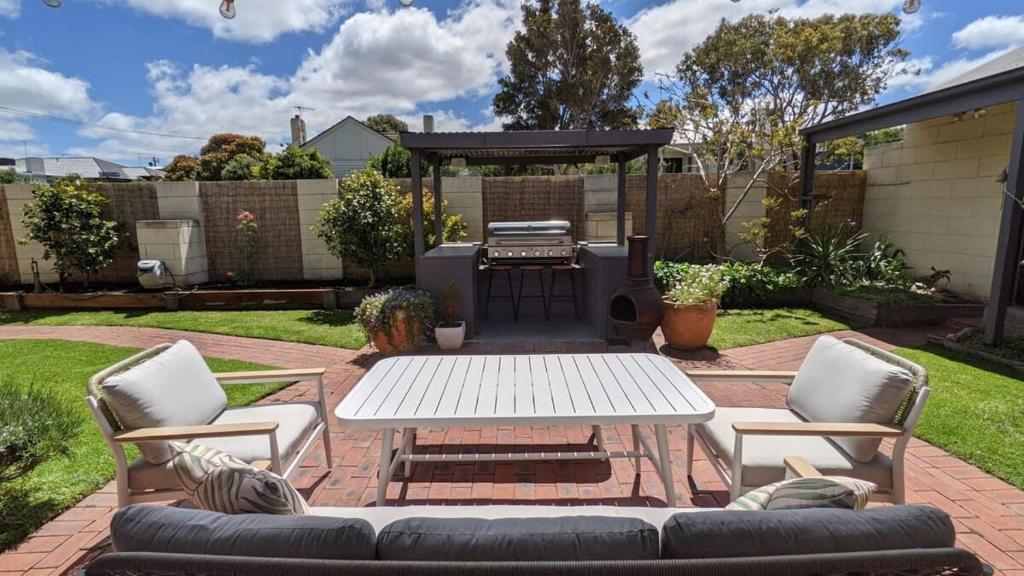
column 740, row 98
column 182, row 167
column 10, row 177
column 66, row 218
column 395, row 162
column 214, row 157
column 572, row 66
column 363, row 224
column 453, row 226
column 295, row 163
column 241, row 167
column 386, row 123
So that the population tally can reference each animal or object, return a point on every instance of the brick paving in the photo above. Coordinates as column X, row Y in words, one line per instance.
column 988, row 513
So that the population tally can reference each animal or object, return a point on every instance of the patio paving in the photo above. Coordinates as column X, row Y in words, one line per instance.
column 988, row 513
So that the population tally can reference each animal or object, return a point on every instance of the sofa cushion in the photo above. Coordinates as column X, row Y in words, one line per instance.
column 222, row 483
column 763, row 456
column 800, row 493
column 557, row 539
column 142, row 528
column 174, row 388
column 840, row 383
column 724, row 534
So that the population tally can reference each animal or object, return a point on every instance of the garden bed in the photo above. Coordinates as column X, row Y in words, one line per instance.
column 912, row 310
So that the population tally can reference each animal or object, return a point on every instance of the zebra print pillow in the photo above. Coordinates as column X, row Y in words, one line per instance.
column 220, row 482
column 822, row 492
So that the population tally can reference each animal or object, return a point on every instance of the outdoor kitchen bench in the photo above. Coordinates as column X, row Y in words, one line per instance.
column 410, row 392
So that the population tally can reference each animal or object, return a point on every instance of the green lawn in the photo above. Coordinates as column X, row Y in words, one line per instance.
column 64, row 368
column 975, row 411
column 737, row 328
column 335, row 328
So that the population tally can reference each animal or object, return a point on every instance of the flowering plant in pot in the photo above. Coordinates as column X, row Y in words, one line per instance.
column 396, row 320
column 691, row 307
column 450, row 332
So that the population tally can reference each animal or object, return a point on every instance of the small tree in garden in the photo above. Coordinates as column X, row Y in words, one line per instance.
column 182, row 168
column 248, row 242
column 241, row 167
column 33, row 429
column 67, row 219
column 453, row 228
column 362, row 225
column 395, row 162
column 295, row 163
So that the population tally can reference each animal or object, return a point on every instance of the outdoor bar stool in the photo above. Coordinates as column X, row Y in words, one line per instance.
column 552, row 296
column 543, row 296
column 491, row 270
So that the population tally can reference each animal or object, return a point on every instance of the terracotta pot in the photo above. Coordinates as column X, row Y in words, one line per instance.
column 397, row 337
column 688, row 327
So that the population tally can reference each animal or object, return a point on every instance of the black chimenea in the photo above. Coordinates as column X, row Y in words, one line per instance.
column 636, row 309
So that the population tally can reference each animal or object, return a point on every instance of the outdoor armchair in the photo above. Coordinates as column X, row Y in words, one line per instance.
column 846, row 398
column 171, row 391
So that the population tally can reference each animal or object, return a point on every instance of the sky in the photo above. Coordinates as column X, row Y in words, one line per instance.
column 136, row 80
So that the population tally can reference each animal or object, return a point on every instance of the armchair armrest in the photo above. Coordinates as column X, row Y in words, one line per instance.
column 817, row 429
column 800, row 468
column 261, row 376
column 202, row 431
column 771, row 376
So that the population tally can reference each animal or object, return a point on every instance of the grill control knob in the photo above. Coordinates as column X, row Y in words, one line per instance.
column 509, row 253
column 536, row 252
column 497, row 253
column 564, row 253
column 522, row 253
column 551, row 252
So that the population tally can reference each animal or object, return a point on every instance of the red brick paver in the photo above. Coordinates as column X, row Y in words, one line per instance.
column 988, row 513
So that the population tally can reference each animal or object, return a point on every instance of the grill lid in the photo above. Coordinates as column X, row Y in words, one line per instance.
column 544, row 228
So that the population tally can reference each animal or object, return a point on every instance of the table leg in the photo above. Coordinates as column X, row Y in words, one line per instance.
column 384, row 476
column 636, row 446
column 599, row 439
column 411, row 448
column 665, row 463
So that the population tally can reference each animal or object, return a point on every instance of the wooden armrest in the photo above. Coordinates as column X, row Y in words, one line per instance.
column 800, row 468
column 778, row 377
column 817, row 429
column 202, row 431
column 261, row 376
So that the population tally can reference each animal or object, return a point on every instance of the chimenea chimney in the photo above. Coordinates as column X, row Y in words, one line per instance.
column 428, row 123
column 298, row 131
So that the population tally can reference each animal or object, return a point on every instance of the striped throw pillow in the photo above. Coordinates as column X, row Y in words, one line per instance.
column 797, row 493
column 220, row 482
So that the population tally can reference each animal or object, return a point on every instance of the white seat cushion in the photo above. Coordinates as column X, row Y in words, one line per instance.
column 763, row 456
column 295, row 422
column 145, row 476
column 174, row 388
column 840, row 383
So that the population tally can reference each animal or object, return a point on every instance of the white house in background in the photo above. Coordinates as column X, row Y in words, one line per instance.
column 348, row 145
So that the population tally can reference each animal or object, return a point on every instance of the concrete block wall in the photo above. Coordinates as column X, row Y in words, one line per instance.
column 750, row 209
column 464, row 196
column 18, row 195
column 936, row 195
column 317, row 262
column 180, row 244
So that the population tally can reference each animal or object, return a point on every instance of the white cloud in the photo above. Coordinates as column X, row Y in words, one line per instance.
column 10, row 8
column 27, row 85
column 255, row 20
column 12, row 130
column 666, row 31
column 991, row 32
column 399, row 62
column 932, row 76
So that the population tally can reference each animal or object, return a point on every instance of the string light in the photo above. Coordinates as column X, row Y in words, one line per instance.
column 227, row 9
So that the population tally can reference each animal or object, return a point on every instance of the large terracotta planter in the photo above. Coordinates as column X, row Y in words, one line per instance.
column 398, row 337
column 688, row 327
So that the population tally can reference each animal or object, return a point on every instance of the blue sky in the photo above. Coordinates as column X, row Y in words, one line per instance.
column 136, row 79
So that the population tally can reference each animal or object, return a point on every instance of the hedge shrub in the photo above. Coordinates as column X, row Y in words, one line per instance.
column 750, row 285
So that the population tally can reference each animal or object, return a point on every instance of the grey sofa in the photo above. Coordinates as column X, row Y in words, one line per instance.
column 535, row 540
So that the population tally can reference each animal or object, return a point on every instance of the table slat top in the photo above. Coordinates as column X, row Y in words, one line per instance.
column 418, row 391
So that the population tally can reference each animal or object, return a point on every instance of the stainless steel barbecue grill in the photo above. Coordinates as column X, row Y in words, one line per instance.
column 547, row 242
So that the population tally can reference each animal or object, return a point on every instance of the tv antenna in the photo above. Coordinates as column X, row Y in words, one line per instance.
column 301, row 108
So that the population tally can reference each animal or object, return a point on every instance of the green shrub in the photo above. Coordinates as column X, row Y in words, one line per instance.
column 376, row 312
column 750, row 285
column 34, row 428
column 699, row 285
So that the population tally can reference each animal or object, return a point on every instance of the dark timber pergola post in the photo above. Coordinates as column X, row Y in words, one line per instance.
column 620, row 202
column 417, row 203
column 807, row 179
column 651, row 213
column 1009, row 244
column 435, row 168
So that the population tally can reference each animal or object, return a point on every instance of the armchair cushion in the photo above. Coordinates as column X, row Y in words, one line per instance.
column 840, row 383
column 764, row 456
column 295, row 423
column 173, row 388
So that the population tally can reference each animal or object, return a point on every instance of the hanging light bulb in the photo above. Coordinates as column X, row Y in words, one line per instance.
column 227, row 9
column 405, row 3
column 911, row 6
column 53, row 3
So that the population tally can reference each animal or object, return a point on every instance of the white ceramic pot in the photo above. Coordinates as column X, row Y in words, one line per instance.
column 450, row 337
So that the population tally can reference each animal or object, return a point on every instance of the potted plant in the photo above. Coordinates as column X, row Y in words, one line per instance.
column 691, row 307
column 396, row 320
column 451, row 331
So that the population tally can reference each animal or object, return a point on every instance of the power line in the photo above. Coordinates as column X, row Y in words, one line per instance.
column 42, row 116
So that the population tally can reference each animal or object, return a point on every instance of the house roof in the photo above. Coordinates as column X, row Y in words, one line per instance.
column 1011, row 60
column 84, row 166
column 346, row 121
column 535, row 146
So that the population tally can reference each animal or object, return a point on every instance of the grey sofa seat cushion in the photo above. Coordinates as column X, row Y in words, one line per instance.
column 519, row 539
column 186, row 531
column 763, row 455
column 838, row 382
column 295, row 422
column 817, row 531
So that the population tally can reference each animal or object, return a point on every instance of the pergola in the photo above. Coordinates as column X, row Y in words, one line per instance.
column 533, row 147
column 959, row 99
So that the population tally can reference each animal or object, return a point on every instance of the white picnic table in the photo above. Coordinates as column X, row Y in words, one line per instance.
column 410, row 392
